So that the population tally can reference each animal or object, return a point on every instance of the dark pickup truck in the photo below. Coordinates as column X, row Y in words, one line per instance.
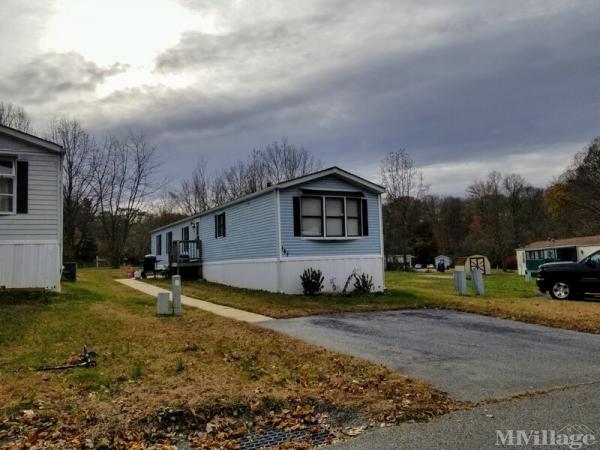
column 570, row 280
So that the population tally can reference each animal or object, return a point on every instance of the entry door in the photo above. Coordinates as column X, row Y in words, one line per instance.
column 590, row 279
column 477, row 264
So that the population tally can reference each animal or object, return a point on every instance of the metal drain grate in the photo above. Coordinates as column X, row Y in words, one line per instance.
column 270, row 438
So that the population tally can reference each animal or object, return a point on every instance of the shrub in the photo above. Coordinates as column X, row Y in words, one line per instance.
column 363, row 283
column 312, row 281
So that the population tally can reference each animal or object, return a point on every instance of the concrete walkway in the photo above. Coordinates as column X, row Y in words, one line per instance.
column 225, row 311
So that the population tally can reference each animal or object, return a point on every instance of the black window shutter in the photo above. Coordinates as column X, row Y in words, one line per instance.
column 223, row 224
column 297, row 229
column 22, row 186
column 216, row 226
column 365, row 218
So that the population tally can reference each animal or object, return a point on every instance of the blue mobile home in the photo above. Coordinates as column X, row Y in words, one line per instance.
column 329, row 220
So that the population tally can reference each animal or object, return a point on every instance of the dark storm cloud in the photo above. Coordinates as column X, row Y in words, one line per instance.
column 198, row 49
column 464, row 86
column 474, row 96
column 48, row 76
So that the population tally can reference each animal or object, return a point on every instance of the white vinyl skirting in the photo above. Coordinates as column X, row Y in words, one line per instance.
column 284, row 276
column 30, row 264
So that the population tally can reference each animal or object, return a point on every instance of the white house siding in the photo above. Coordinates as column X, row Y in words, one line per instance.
column 249, row 273
column 586, row 251
column 29, row 264
column 31, row 244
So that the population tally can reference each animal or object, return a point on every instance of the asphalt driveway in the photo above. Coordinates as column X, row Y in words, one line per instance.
column 471, row 357
column 571, row 411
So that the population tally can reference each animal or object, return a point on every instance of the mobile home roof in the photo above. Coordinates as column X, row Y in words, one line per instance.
column 283, row 185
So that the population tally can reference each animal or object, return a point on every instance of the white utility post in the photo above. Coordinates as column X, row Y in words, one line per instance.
column 460, row 282
column 162, row 304
column 176, row 289
column 478, row 282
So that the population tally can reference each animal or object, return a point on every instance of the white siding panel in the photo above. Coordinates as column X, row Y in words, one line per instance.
column 31, row 244
column 29, row 265
column 587, row 251
column 333, row 268
column 262, row 273
column 43, row 218
column 251, row 274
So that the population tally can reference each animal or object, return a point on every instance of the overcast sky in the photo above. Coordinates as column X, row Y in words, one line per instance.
column 464, row 86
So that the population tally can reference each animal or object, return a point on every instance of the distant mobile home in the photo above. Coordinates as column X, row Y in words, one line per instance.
column 329, row 220
column 442, row 259
column 398, row 260
column 30, row 211
column 530, row 257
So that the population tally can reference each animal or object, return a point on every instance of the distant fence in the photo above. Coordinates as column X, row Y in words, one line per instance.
column 102, row 262
column 96, row 262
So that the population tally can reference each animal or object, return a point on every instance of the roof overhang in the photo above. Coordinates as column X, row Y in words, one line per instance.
column 355, row 179
column 366, row 184
column 31, row 139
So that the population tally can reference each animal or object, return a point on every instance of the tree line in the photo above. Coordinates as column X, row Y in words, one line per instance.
column 498, row 213
column 113, row 197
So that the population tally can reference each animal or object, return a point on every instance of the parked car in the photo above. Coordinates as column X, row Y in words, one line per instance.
column 570, row 280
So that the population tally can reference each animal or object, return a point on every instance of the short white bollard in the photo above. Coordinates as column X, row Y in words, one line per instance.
column 176, row 288
column 527, row 276
column 460, row 282
column 162, row 304
column 478, row 282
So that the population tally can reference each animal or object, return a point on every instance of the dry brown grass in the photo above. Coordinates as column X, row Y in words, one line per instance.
column 198, row 362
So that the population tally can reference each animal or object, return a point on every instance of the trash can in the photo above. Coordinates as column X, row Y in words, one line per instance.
column 69, row 272
column 149, row 266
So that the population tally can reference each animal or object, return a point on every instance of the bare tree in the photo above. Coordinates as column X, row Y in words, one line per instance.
column 404, row 188
column 489, row 215
column 283, row 161
column 235, row 179
column 78, row 205
column 122, row 181
column 581, row 182
column 277, row 162
column 14, row 117
column 194, row 195
column 219, row 191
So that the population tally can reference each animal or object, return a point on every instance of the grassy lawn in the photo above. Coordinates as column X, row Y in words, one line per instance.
column 208, row 377
column 507, row 296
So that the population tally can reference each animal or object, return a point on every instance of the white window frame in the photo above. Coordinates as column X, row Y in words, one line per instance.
column 360, row 217
column 12, row 176
column 324, row 235
column 308, row 236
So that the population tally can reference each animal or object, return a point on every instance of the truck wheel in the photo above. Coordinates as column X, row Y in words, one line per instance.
column 560, row 290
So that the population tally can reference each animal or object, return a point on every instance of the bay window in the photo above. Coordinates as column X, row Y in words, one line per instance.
column 334, row 213
column 330, row 216
column 7, row 186
column 312, row 216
